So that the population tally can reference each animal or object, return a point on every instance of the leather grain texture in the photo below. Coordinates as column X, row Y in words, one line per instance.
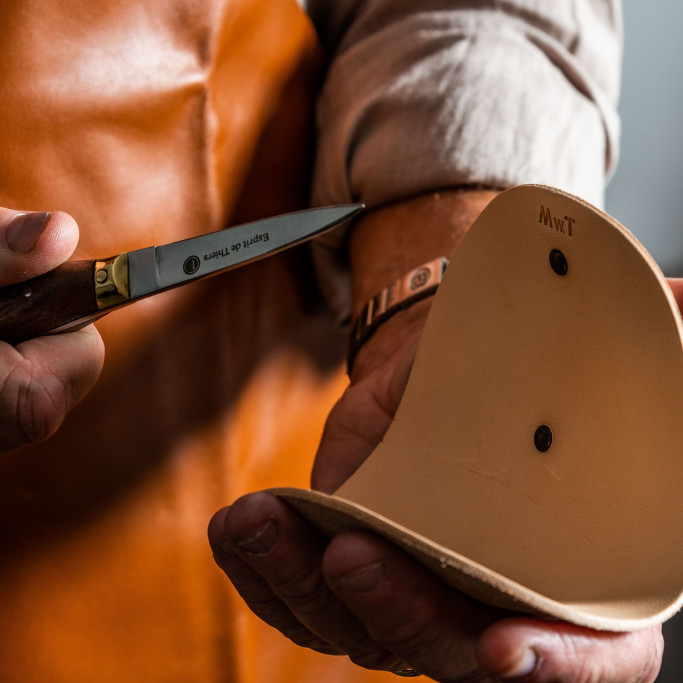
column 591, row 529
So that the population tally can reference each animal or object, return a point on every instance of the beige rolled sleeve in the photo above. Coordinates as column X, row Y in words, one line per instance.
column 431, row 94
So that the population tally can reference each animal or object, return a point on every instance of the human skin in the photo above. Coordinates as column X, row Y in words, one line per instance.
column 357, row 594
column 41, row 379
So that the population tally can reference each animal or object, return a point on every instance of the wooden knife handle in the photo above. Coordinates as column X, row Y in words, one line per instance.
column 38, row 306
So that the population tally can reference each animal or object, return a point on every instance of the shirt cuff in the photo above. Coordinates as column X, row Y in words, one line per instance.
column 436, row 99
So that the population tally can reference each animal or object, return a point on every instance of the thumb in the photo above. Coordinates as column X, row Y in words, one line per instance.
column 556, row 652
column 676, row 284
column 31, row 243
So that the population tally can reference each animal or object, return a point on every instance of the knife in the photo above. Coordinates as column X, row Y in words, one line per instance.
column 78, row 292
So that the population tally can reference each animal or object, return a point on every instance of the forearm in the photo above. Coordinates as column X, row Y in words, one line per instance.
column 441, row 93
column 391, row 240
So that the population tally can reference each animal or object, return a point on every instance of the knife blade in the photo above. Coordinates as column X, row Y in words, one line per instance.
column 79, row 292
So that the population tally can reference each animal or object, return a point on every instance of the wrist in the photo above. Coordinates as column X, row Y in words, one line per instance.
column 392, row 348
column 388, row 242
column 397, row 253
column 414, row 286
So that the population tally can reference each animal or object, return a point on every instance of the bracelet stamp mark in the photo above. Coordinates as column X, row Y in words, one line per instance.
column 420, row 278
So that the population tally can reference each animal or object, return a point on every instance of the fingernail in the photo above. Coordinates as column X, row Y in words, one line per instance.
column 219, row 542
column 261, row 542
column 25, row 229
column 525, row 666
column 364, row 579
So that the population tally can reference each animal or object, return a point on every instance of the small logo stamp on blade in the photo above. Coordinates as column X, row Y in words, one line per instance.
column 191, row 265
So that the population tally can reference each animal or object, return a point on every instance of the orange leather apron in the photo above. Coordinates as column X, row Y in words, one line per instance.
column 151, row 122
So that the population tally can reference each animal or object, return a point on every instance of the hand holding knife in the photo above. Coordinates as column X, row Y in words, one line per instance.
column 78, row 292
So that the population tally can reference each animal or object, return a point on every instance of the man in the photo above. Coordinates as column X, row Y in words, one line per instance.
column 104, row 517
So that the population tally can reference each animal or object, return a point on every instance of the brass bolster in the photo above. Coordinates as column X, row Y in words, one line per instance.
column 111, row 281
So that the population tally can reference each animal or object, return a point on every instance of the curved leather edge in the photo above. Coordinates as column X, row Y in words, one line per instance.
column 333, row 516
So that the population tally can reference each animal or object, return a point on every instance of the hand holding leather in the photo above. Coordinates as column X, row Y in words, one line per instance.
column 41, row 379
column 359, row 595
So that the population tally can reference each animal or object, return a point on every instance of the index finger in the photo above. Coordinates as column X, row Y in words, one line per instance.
column 405, row 608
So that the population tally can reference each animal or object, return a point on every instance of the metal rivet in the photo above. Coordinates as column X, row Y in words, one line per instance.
column 543, row 438
column 101, row 276
column 558, row 262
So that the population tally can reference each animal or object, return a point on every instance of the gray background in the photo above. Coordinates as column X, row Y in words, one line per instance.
column 646, row 193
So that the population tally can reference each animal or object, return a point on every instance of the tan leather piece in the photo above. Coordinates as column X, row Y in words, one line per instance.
column 590, row 531
column 152, row 122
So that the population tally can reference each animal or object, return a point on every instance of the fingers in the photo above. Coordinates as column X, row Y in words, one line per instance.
column 355, row 595
column 354, row 427
column 41, row 380
column 676, row 285
column 359, row 595
column 273, row 558
column 450, row 638
column 405, row 609
column 31, row 243
column 252, row 587
column 549, row 652
column 362, row 415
